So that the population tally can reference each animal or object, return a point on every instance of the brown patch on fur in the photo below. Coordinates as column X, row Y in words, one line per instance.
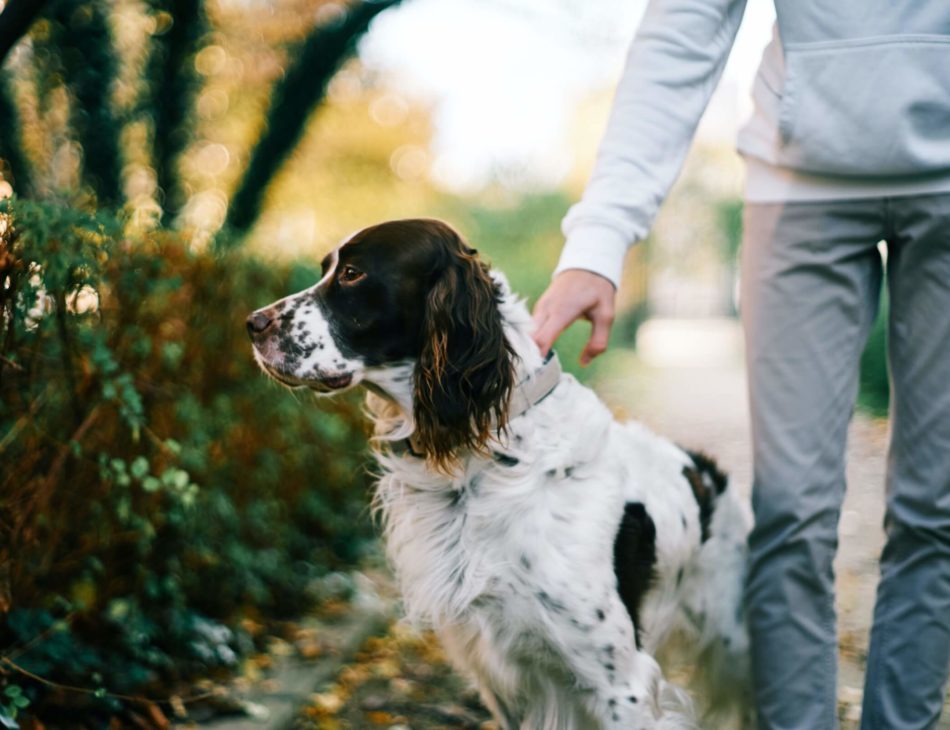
column 465, row 371
column 705, row 492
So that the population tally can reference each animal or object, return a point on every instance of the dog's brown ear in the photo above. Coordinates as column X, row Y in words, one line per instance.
column 465, row 373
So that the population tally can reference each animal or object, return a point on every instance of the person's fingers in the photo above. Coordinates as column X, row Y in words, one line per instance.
column 539, row 334
column 540, row 312
column 574, row 294
column 601, row 321
column 548, row 330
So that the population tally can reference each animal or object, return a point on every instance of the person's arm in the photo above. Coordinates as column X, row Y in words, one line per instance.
column 672, row 68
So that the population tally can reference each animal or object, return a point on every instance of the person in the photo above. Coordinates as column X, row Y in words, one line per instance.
column 848, row 145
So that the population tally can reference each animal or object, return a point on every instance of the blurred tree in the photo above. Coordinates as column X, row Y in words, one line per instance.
column 17, row 166
column 370, row 137
column 76, row 51
column 171, row 86
column 15, row 20
column 294, row 98
column 80, row 32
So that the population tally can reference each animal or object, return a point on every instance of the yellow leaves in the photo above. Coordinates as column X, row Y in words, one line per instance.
column 398, row 681
column 83, row 593
column 328, row 703
column 354, row 675
column 387, row 668
column 384, row 718
column 330, row 723
column 279, row 647
column 308, row 643
column 334, row 608
column 252, row 627
column 254, row 667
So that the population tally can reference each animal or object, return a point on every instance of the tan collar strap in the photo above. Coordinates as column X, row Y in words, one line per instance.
column 528, row 393
column 536, row 387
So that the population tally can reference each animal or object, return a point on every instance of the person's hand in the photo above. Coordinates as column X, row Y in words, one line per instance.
column 573, row 294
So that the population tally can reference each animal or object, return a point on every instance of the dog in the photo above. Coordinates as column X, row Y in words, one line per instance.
column 553, row 550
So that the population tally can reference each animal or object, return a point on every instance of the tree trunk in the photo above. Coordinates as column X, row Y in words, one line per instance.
column 82, row 35
column 172, row 84
column 15, row 20
column 294, row 98
column 11, row 144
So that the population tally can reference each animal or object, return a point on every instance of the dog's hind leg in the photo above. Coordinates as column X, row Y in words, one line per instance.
column 713, row 617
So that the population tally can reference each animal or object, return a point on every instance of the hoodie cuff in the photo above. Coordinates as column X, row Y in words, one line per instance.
column 597, row 248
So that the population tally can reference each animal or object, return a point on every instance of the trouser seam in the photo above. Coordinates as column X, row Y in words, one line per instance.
column 872, row 671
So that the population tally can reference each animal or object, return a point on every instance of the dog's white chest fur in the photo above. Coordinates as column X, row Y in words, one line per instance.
column 512, row 561
column 510, row 523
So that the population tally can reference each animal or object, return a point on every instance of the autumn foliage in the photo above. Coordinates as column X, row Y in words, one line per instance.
column 155, row 488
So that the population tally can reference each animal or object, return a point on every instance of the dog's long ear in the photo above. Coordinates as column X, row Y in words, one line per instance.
column 465, row 373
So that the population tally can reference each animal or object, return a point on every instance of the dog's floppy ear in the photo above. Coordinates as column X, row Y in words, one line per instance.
column 465, row 372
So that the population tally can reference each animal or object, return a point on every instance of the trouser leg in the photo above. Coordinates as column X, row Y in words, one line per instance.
column 810, row 281
column 909, row 656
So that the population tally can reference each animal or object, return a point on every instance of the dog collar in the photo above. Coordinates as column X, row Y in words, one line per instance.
column 535, row 387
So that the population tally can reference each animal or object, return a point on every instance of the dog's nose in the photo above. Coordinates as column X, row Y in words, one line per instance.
column 257, row 322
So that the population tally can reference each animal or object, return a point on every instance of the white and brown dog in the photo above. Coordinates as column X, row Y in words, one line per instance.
column 553, row 550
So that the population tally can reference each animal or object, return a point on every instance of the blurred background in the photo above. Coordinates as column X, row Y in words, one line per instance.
column 171, row 524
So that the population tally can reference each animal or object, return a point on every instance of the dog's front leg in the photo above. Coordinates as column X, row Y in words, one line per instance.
column 505, row 717
column 624, row 685
column 475, row 653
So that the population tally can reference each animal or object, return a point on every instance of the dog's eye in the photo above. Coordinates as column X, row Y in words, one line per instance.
column 350, row 275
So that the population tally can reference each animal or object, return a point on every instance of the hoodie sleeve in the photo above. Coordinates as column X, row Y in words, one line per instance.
column 672, row 68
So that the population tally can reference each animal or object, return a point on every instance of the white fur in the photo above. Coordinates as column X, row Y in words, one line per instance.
column 512, row 565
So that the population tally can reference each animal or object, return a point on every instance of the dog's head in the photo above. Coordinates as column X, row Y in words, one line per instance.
column 408, row 291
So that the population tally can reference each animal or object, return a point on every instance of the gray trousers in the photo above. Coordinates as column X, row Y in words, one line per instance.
column 811, row 275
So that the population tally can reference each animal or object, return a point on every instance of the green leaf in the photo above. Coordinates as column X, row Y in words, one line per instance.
column 140, row 467
column 8, row 718
column 118, row 609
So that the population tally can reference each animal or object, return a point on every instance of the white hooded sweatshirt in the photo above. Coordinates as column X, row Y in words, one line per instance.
column 852, row 100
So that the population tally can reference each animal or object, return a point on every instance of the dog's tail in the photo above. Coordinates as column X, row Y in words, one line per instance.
column 677, row 711
column 708, row 483
column 713, row 605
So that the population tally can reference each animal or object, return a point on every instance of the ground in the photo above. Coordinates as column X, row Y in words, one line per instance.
column 398, row 681
column 402, row 680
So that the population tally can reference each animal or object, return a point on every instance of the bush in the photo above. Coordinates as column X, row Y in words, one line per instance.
column 154, row 486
